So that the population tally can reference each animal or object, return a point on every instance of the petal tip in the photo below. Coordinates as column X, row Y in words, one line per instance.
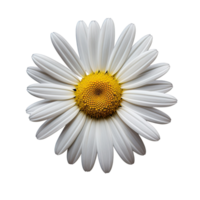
column 53, row 34
column 35, row 57
column 156, row 138
column 31, row 55
column 36, row 137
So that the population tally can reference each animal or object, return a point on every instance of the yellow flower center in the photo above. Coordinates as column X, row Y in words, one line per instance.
column 98, row 95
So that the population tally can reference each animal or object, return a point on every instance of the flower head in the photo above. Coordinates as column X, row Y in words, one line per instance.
column 102, row 99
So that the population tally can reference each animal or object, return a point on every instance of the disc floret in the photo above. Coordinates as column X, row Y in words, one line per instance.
column 98, row 95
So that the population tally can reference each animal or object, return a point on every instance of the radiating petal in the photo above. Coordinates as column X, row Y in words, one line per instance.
column 55, row 124
column 75, row 149
column 93, row 40
column 138, row 124
column 67, row 53
column 51, row 91
column 37, row 105
column 106, row 43
column 121, row 50
column 120, row 141
column 134, row 139
column 152, row 73
column 104, row 145
column 157, row 86
column 41, row 77
column 136, row 66
column 89, row 148
column 148, row 98
column 149, row 114
column 51, row 110
column 140, row 46
column 70, row 133
column 82, row 44
column 55, row 69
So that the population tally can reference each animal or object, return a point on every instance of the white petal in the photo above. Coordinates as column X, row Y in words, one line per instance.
column 74, row 150
column 55, row 69
column 93, row 40
column 148, row 98
column 134, row 139
column 157, row 86
column 51, row 110
column 67, row 53
column 70, row 133
column 140, row 46
column 138, row 124
column 120, row 141
column 104, row 145
column 136, row 66
column 55, row 124
column 82, row 44
column 106, row 43
column 149, row 114
column 41, row 77
column 121, row 50
column 37, row 105
column 89, row 149
column 51, row 91
column 150, row 74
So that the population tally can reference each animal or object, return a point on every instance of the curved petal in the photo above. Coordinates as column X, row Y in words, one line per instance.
column 55, row 69
column 138, row 124
column 37, row 105
column 149, row 114
column 70, row 133
column 55, row 124
column 106, row 43
column 51, row 91
column 121, row 50
column 152, row 73
column 89, row 148
column 140, row 46
column 148, row 98
column 120, row 141
column 134, row 139
column 133, row 68
column 67, row 53
column 104, row 146
column 51, row 110
column 38, row 75
column 82, row 44
column 93, row 40
column 157, row 86
column 74, row 150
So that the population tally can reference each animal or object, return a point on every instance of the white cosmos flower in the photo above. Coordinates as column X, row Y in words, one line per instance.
column 102, row 99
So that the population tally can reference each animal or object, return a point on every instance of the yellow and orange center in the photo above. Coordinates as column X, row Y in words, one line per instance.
column 98, row 95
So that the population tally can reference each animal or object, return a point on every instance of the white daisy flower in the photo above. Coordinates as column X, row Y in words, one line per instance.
column 102, row 99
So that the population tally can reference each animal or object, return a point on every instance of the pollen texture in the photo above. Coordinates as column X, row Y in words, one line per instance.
column 98, row 95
